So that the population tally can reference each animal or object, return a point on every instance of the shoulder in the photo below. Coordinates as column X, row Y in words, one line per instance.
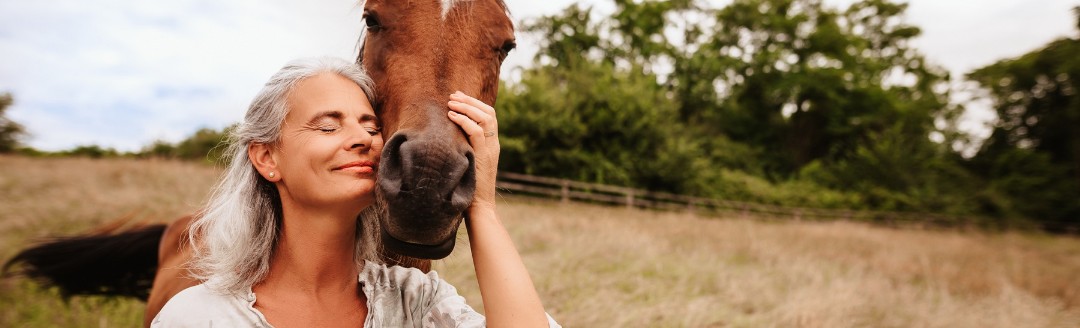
column 199, row 306
column 195, row 298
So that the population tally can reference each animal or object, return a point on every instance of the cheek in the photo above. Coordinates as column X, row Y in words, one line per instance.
column 310, row 152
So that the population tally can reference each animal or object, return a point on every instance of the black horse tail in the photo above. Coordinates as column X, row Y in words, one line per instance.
column 110, row 261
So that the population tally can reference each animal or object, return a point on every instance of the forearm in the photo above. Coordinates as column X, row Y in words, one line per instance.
column 510, row 299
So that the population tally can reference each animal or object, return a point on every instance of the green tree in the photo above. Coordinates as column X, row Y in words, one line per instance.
column 899, row 171
column 11, row 132
column 92, row 151
column 160, row 149
column 815, row 83
column 1033, row 153
column 758, row 88
column 593, row 123
column 206, row 144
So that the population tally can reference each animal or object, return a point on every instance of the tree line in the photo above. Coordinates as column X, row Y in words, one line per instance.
column 792, row 102
column 787, row 102
column 206, row 144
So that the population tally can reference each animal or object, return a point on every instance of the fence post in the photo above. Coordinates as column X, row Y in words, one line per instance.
column 629, row 198
column 565, row 191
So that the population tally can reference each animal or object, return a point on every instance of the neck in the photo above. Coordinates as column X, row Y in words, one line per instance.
column 315, row 253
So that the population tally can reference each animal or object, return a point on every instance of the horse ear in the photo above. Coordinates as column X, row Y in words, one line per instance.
column 262, row 157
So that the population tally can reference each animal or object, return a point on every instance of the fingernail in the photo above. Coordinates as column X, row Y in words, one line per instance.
column 453, row 113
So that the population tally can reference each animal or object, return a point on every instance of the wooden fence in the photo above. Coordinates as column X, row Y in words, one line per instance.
column 567, row 191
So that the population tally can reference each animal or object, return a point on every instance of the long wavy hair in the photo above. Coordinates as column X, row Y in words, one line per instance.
column 234, row 237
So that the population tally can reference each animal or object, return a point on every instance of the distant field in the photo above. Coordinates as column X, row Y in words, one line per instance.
column 611, row 267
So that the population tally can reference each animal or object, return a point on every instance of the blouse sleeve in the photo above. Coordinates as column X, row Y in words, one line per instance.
column 451, row 310
column 411, row 298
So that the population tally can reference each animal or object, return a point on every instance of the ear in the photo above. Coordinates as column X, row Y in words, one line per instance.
column 262, row 156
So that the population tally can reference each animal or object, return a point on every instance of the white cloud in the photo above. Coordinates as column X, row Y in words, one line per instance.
column 121, row 73
column 963, row 35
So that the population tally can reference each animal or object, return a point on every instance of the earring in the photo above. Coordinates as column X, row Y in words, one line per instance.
column 271, row 175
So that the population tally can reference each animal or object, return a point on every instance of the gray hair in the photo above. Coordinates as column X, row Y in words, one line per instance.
column 235, row 235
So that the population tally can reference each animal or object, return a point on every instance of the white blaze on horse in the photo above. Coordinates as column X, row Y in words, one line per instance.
column 418, row 53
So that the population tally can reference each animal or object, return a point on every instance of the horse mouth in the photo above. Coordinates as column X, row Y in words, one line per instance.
column 422, row 251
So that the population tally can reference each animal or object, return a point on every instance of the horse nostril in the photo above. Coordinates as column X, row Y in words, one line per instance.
column 390, row 170
column 462, row 195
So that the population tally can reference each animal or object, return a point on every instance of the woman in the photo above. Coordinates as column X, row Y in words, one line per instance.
column 294, row 222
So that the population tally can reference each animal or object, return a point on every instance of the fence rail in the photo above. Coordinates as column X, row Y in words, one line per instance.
column 568, row 190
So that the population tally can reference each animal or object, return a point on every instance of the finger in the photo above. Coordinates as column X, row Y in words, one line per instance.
column 473, row 130
column 462, row 97
column 476, row 114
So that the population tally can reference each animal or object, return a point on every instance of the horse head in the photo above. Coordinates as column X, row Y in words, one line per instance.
column 418, row 53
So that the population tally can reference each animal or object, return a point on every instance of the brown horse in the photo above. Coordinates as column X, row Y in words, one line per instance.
column 418, row 53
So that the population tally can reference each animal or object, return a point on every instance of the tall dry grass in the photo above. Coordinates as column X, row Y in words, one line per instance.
column 61, row 196
column 613, row 267
column 600, row 266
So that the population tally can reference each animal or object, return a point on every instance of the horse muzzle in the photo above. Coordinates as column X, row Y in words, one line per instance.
column 426, row 182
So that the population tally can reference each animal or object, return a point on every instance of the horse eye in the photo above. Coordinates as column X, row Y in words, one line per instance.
column 507, row 46
column 372, row 22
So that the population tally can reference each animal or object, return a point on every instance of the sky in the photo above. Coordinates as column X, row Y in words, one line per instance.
column 124, row 73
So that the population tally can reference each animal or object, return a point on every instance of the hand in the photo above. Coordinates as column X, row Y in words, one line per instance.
column 510, row 298
column 478, row 121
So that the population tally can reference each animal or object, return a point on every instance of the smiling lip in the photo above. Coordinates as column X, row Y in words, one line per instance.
column 358, row 167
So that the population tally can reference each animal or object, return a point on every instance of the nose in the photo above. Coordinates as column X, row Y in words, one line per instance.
column 358, row 140
column 356, row 145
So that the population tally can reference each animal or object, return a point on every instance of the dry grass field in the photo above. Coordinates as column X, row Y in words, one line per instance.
column 611, row 267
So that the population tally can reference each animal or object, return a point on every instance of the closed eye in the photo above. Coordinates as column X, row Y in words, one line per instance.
column 326, row 121
column 370, row 124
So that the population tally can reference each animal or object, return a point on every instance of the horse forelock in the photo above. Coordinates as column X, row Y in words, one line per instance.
column 448, row 5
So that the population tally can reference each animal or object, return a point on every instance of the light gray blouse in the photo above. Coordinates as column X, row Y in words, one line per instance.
column 396, row 297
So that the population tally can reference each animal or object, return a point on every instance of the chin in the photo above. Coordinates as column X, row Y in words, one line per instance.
column 366, row 194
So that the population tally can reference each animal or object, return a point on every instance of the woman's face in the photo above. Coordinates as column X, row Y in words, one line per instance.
column 330, row 145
